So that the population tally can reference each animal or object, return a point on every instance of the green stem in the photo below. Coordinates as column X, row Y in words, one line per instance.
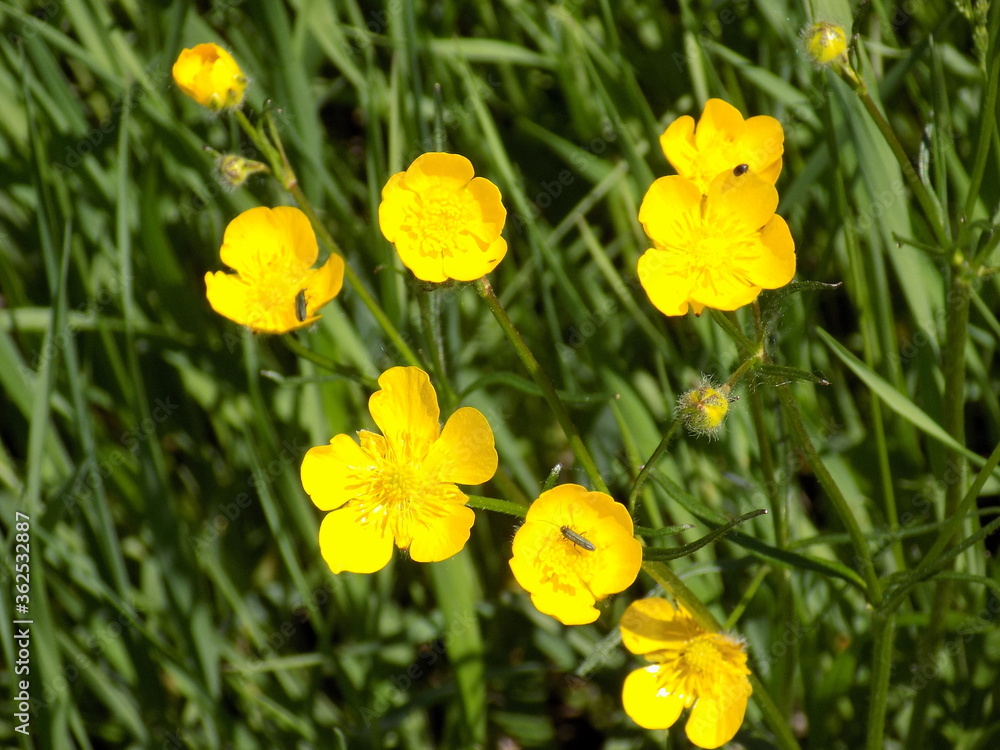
column 286, row 176
column 430, row 319
column 301, row 350
column 542, row 381
column 883, row 635
column 497, row 505
column 786, row 607
column 989, row 113
column 923, row 196
column 834, row 494
column 354, row 281
column 647, row 467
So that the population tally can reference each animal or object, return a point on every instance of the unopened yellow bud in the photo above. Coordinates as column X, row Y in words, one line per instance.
column 825, row 42
column 234, row 170
column 703, row 409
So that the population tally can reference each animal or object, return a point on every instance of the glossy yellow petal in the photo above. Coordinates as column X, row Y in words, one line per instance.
column 443, row 534
column 228, row 295
column 324, row 283
column 396, row 200
column 679, row 146
column 262, row 238
column 764, row 141
column 465, row 452
column 773, row 265
column 646, row 703
column 406, row 410
column 349, row 543
column 437, row 169
column 669, row 209
column 489, row 209
column 746, row 202
column 336, row 473
column 473, row 260
column 668, row 289
column 720, row 123
column 714, row 721
column 724, row 291
column 654, row 624
column 568, row 609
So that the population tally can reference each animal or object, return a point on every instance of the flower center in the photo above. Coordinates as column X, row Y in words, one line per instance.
column 564, row 564
column 402, row 497
column 438, row 221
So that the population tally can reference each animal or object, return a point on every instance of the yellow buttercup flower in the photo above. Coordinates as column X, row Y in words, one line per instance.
column 210, row 76
column 723, row 141
column 399, row 487
column 444, row 222
column 690, row 667
column 275, row 288
column 715, row 250
column 574, row 549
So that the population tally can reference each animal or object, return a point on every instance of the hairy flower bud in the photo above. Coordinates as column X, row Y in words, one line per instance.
column 825, row 42
column 704, row 409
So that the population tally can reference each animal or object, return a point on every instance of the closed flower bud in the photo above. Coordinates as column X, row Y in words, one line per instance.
column 825, row 42
column 704, row 409
column 234, row 170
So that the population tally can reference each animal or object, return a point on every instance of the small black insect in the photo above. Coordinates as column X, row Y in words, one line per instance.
column 741, row 169
column 300, row 305
column 579, row 541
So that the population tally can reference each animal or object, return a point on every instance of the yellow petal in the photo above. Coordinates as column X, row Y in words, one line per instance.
column 654, row 624
column 643, row 700
column 569, row 610
column 209, row 75
column 263, row 236
column 490, row 212
column 324, row 283
column 406, row 410
column 667, row 290
column 442, row 535
column 746, row 202
column 773, row 265
column 228, row 295
column 678, row 145
column 669, row 208
column 336, row 473
column 472, row 261
column 424, row 267
column 436, row 168
column 715, row 721
column 724, row 291
column 347, row 544
column 391, row 211
column 763, row 143
column 465, row 452
column 720, row 123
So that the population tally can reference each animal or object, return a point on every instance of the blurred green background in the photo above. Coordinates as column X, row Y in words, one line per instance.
column 177, row 591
